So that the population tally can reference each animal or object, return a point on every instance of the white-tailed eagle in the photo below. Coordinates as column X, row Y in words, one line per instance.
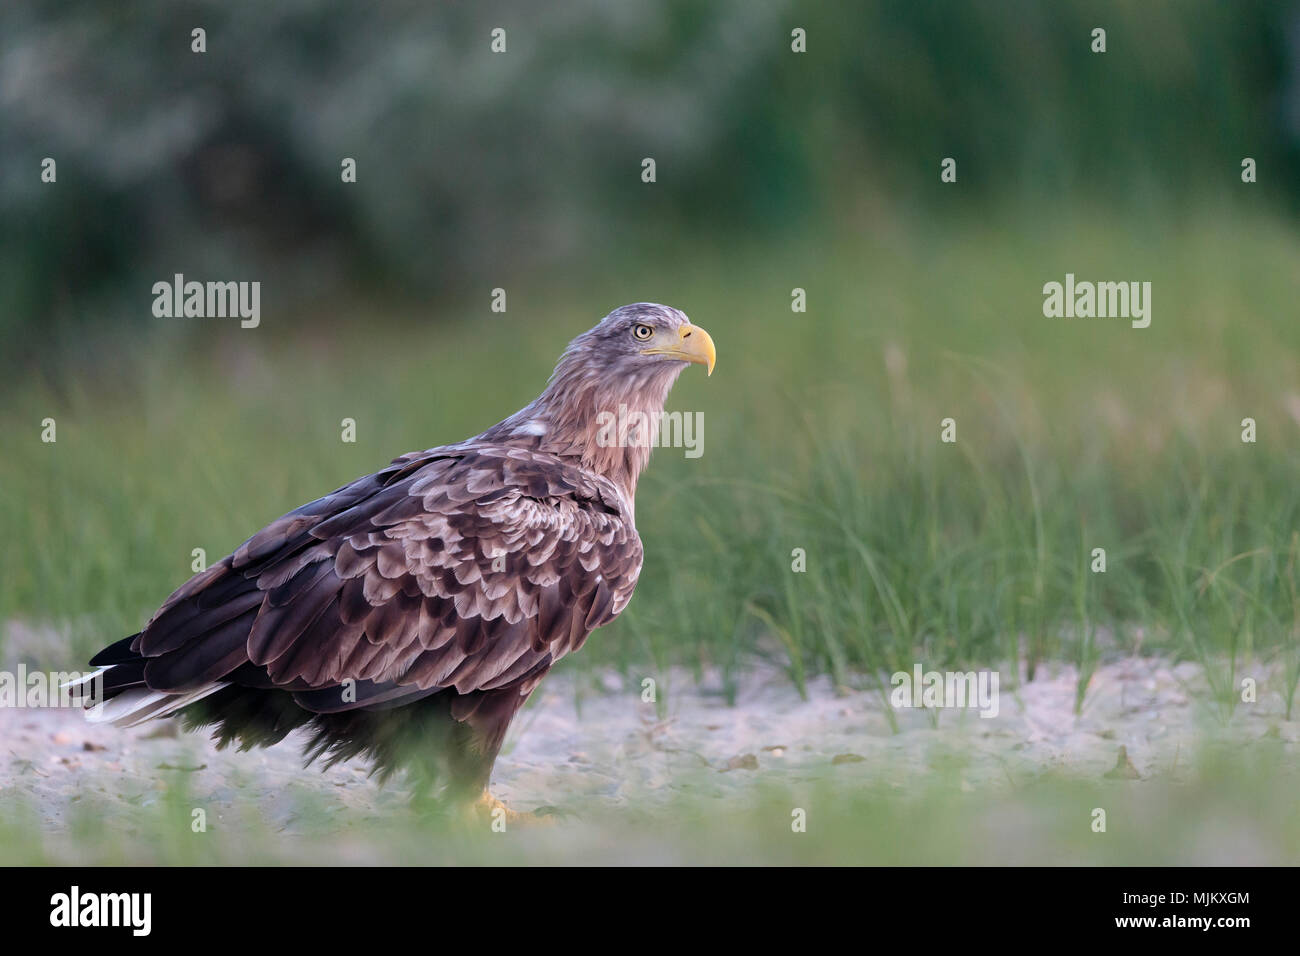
column 406, row 617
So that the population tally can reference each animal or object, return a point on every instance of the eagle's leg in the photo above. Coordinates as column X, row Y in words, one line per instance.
column 488, row 805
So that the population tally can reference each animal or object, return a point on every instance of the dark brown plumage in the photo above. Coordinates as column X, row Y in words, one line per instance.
column 407, row 616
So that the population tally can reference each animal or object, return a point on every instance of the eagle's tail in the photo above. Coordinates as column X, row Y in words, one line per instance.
column 119, row 694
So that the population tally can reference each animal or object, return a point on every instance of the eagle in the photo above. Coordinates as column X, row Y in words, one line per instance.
column 406, row 617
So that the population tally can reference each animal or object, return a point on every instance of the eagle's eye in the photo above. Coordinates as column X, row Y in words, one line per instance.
column 643, row 332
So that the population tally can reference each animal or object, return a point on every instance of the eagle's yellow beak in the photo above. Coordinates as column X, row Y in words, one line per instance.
column 692, row 344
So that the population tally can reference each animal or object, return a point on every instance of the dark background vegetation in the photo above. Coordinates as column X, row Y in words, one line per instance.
column 475, row 166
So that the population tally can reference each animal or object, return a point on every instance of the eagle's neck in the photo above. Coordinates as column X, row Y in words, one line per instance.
column 609, row 423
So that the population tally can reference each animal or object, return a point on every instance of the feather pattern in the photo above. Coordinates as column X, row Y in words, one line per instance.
column 428, row 596
column 444, row 586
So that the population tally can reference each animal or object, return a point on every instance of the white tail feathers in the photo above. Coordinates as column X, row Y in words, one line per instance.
column 86, row 678
column 138, row 704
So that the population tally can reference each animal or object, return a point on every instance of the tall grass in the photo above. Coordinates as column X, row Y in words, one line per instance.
column 822, row 434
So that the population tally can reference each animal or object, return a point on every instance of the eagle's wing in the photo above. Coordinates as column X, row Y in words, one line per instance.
column 472, row 567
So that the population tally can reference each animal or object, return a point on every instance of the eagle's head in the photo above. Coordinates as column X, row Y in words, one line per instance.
column 642, row 341
column 619, row 371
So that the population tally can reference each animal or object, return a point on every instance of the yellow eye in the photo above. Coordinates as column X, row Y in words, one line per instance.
column 643, row 332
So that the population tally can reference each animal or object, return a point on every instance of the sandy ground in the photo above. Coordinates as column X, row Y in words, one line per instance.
column 584, row 745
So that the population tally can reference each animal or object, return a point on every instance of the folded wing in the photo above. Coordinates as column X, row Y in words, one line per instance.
column 473, row 567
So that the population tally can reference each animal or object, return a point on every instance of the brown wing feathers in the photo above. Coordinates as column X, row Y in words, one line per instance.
column 473, row 569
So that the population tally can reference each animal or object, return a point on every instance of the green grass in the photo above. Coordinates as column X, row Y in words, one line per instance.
column 821, row 432
column 1231, row 807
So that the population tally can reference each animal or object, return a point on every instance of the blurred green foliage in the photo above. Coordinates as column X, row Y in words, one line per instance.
column 473, row 166
column 1223, row 805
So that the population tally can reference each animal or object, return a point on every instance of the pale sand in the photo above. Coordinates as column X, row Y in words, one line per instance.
column 586, row 744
